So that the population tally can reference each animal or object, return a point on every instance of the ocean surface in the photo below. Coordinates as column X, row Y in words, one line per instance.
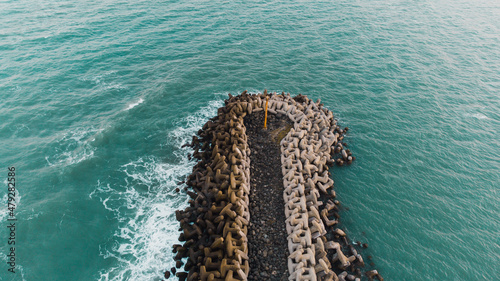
column 97, row 98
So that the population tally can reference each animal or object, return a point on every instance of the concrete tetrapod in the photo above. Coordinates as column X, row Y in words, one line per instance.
column 214, row 226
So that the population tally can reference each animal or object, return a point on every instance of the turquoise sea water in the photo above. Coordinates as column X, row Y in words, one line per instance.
column 98, row 96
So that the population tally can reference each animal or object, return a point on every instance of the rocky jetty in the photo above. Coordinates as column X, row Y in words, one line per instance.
column 262, row 202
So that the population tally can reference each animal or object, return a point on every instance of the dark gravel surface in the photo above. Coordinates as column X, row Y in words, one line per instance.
column 267, row 238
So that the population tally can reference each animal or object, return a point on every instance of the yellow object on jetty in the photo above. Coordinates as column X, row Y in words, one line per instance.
column 265, row 114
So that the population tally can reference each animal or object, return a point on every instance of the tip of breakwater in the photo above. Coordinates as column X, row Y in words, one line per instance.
column 262, row 204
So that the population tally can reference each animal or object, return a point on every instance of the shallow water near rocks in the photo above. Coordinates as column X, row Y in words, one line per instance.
column 99, row 97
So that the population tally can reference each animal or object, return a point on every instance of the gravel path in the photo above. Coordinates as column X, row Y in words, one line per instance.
column 267, row 239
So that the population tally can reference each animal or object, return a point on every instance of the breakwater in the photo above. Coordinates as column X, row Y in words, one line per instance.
column 215, row 227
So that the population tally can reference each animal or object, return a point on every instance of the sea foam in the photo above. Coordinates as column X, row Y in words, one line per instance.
column 134, row 104
column 145, row 207
column 74, row 146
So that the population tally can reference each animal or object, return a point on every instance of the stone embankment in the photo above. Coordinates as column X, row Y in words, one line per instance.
column 269, row 212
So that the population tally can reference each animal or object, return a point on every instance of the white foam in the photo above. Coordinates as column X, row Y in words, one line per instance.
column 145, row 207
column 18, row 271
column 477, row 115
column 73, row 147
column 4, row 212
column 34, row 215
column 97, row 79
column 132, row 105
column 101, row 81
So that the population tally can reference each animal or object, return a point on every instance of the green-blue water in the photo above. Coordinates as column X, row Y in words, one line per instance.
column 98, row 96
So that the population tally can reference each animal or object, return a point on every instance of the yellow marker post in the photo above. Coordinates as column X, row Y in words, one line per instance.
column 265, row 114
